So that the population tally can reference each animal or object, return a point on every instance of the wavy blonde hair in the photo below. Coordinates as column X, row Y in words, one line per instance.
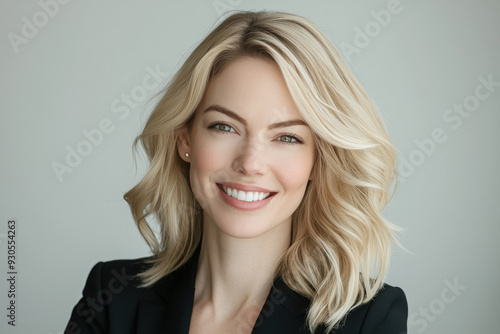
column 341, row 244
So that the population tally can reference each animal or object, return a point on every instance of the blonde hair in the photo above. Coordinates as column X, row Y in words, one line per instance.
column 341, row 244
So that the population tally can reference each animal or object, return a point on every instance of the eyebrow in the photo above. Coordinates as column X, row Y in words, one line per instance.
column 237, row 117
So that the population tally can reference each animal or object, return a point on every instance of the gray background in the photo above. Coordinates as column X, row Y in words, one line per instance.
column 72, row 73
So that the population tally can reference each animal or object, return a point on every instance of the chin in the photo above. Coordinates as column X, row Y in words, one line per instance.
column 251, row 227
column 242, row 230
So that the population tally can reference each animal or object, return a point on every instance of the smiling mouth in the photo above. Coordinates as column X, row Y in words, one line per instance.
column 247, row 196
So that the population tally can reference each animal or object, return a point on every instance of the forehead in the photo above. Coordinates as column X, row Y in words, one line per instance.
column 250, row 85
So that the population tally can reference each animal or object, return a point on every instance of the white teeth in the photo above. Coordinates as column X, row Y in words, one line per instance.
column 250, row 196
column 241, row 195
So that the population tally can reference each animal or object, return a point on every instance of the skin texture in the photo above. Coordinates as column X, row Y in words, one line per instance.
column 241, row 246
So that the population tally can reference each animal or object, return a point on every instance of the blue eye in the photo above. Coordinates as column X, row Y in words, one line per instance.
column 221, row 127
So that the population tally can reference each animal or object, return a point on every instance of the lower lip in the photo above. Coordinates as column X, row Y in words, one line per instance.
column 243, row 205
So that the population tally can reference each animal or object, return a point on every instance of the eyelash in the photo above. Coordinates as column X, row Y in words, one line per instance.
column 213, row 126
column 294, row 137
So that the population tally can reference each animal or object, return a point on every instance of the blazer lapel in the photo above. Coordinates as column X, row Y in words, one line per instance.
column 171, row 313
column 283, row 312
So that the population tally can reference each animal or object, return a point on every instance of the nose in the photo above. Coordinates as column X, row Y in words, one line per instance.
column 251, row 158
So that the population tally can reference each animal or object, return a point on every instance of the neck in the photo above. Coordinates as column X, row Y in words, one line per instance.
column 234, row 273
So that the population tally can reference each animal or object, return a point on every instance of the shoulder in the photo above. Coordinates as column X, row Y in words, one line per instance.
column 116, row 281
column 122, row 271
column 386, row 313
column 112, row 290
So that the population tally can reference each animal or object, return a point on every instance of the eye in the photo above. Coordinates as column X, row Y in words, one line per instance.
column 288, row 139
column 222, row 127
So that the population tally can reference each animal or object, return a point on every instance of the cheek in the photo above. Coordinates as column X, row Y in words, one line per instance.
column 294, row 173
column 209, row 156
column 208, row 164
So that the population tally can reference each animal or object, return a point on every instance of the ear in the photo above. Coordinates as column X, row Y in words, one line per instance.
column 183, row 144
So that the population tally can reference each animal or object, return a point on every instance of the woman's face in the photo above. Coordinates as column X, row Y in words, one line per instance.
column 250, row 151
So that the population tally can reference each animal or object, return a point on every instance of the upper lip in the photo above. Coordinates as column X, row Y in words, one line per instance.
column 245, row 187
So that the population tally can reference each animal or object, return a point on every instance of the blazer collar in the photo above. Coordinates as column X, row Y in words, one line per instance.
column 283, row 312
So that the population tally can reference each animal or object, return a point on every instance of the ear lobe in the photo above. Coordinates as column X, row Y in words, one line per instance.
column 183, row 144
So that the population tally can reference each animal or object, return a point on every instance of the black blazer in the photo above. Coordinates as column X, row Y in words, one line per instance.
column 112, row 303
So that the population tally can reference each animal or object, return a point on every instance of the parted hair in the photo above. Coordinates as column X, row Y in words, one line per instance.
column 340, row 247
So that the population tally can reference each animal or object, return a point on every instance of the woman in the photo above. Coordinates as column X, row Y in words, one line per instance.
column 269, row 170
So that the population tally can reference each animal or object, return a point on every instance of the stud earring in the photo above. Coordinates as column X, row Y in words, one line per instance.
column 186, row 154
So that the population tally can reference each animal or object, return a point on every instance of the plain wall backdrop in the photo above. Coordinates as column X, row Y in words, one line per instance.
column 71, row 67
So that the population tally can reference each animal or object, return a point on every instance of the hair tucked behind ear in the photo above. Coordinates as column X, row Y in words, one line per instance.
column 341, row 243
